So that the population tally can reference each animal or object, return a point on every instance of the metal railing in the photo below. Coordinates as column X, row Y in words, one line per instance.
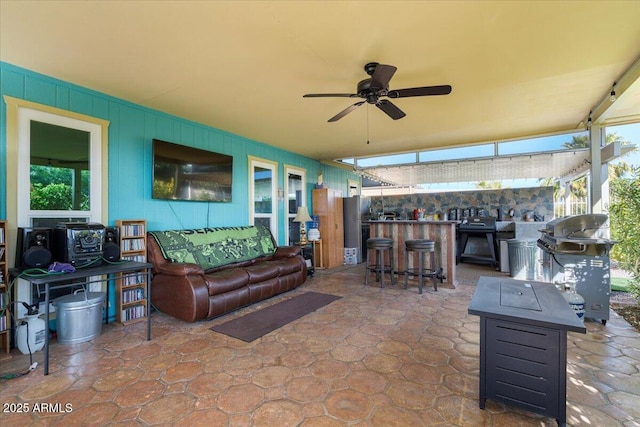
column 574, row 207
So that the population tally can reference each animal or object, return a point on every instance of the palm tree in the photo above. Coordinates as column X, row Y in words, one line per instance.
column 579, row 186
column 619, row 170
column 551, row 182
column 581, row 141
column 489, row 184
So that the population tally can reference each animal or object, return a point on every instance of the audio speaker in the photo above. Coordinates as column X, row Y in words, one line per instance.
column 33, row 248
column 111, row 245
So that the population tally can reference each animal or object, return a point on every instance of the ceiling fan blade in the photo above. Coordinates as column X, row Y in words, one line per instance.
column 346, row 111
column 382, row 75
column 390, row 108
column 420, row 91
column 330, row 95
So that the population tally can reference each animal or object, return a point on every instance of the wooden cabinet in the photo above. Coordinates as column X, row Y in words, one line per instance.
column 5, row 297
column 327, row 204
column 131, row 288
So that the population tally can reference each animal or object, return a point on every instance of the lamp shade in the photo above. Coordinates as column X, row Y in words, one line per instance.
column 302, row 215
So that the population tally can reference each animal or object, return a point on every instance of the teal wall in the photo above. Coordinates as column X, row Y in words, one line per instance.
column 131, row 129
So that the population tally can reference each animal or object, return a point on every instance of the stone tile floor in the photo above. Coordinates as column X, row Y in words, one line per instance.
column 379, row 357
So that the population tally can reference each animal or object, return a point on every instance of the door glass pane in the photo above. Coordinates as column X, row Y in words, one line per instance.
column 294, row 200
column 59, row 168
column 265, row 222
column 262, row 190
column 294, row 189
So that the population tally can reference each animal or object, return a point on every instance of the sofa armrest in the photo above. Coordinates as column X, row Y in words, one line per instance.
column 179, row 269
column 184, row 297
column 287, row 251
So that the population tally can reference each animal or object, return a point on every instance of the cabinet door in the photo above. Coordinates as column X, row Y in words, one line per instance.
column 522, row 366
column 327, row 204
column 337, row 228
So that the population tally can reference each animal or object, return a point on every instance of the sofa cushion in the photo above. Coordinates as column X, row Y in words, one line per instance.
column 226, row 280
column 215, row 247
column 287, row 266
column 262, row 271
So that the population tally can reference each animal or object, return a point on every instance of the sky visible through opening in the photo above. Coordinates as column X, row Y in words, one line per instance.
column 629, row 133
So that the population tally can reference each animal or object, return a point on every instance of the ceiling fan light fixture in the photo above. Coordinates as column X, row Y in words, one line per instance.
column 376, row 87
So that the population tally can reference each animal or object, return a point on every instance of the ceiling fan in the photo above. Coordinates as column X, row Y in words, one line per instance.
column 376, row 87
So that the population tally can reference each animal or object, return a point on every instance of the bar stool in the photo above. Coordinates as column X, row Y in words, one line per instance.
column 421, row 247
column 379, row 245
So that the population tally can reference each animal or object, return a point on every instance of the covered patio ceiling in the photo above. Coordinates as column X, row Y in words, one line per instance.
column 517, row 68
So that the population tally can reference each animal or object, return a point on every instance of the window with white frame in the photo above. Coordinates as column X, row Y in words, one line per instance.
column 59, row 167
column 263, row 193
column 295, row 196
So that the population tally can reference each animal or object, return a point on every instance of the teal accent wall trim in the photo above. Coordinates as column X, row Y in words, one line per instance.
column 132, row 127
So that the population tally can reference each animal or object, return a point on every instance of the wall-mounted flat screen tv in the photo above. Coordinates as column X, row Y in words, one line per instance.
column 187, row 173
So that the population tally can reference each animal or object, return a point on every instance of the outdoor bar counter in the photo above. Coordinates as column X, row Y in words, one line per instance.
column 443, row 233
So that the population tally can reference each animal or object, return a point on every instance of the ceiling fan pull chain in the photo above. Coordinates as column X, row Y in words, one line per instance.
column 367, row 125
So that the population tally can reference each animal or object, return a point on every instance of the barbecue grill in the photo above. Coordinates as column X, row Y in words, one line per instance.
column 477, row 226
column 580, row 243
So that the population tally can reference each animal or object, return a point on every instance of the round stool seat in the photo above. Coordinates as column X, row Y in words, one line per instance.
column 379, row 243
column 380, row 246
column 420, row 244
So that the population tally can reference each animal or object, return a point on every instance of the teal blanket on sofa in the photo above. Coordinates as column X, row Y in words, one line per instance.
column 215, row 247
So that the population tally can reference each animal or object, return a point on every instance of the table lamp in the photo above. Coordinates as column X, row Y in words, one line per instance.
column 302, row 216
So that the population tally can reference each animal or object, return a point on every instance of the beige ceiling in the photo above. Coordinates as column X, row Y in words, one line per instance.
column 517, row 68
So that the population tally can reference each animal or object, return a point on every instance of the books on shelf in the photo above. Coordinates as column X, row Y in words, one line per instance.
column 137, row 258
column 1, row 236
column 133, row 245
column 132, row 295
column 132, row 287
column 131, row 313
column 132, row 230
column 134, row 279
column 3, row 319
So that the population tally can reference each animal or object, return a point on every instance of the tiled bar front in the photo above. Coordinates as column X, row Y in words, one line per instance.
column 443, row 233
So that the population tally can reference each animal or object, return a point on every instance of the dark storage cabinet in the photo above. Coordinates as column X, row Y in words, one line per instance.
column 522, row 363
column 523, row 344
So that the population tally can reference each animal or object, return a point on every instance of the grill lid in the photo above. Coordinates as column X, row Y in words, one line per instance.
column 479, row 223
column 589, row 226
column 578, row 234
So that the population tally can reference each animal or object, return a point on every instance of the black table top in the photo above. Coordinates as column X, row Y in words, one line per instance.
column 530, row 302
column 81, row 273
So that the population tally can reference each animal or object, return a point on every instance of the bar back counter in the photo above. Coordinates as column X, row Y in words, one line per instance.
column 443, row 233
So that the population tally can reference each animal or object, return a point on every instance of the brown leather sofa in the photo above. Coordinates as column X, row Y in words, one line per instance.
column 188, row 292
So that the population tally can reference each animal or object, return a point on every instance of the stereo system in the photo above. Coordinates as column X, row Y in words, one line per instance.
column 76, row 243
column 33, row 249
column 111, row 246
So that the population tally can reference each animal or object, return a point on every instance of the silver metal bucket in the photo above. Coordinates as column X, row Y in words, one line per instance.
column 79, row 316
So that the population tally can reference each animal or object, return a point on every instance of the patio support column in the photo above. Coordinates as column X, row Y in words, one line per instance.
column 595, row 183
column 565, row 187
